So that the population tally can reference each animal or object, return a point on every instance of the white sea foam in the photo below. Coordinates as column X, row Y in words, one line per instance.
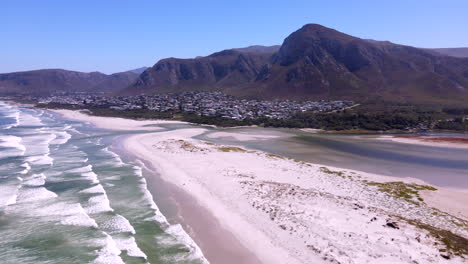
column 37, row 144
column 13, row 145
column 61, row 137
column 35, row 180
column 64, row 213
column 86, row 172
column 94, row 189
column 86, row 168
column 8, row 194
column 37, row 148
column 119, row 224
column 8, row 153
column 98, row 204
column 11, row 200
column 40, row 160
column 90, row 176
column 148, row 197
column 109, row 253
column 74, row 214
column 29, row 120
column 115, row 156
column 15, row 116
column 27, row 195
column 11, row 142
column 129, row 245
column 70, row 157
column 74, row 130
column 182, row 237
column 26, row 167
column 175, row 231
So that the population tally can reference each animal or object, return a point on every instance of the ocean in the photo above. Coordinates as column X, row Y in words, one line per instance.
column 66, row 197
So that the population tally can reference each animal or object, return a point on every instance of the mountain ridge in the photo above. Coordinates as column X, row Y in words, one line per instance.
column 47, row 81
column 316, row 62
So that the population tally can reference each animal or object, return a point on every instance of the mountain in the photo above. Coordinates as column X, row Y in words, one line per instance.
column 138, row 70
column 228, row 68
column 319, row 62
column 316, row 62
column 454, row 52
column 259, row 49
column 42, row 82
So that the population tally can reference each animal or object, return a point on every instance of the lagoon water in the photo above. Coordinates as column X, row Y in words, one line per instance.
column 66, row 197
column 446, row 167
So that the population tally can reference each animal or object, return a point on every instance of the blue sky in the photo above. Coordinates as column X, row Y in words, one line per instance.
column 116, row 35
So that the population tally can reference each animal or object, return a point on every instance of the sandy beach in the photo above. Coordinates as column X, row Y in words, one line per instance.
column 287, row 211
column 427, row 141
column 114, row 123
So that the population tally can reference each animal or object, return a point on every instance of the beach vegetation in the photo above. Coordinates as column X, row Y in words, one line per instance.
column 275, row 156
column 328, row 171
column 231, row 149
column 188, row 146
column 453, row 244
column 406, row 191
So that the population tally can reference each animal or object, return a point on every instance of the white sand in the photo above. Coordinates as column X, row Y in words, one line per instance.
column 114, row 123
column 287, row 211
column 292, row 212
column 241, row 136
column 424, row 142
column 452, row 201
column 312, row 130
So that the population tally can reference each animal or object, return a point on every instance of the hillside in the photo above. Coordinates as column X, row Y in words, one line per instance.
column 42, row 82
column 316, row 62
column 228, row 68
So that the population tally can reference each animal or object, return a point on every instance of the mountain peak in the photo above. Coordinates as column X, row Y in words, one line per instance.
column 313, row 40
column 321, row 32
column 315, row 27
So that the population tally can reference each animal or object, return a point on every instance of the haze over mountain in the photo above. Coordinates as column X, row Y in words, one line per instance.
column 454, row 52
column 259, row 49
column 43, row 82
column 316, row 62
column 139, row 70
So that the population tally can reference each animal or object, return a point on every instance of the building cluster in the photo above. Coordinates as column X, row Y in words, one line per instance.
column 202, row 103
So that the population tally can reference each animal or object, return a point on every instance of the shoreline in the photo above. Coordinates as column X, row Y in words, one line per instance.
column 179, row 207
column 425, row 141
column 186, row 162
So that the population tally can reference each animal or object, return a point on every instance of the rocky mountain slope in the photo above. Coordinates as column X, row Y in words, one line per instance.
column 316, row 62
column 228, row 68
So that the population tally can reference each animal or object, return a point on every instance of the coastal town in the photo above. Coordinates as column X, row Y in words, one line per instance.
column 200, row 103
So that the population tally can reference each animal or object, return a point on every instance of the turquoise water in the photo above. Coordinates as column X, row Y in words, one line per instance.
column 66, row 197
